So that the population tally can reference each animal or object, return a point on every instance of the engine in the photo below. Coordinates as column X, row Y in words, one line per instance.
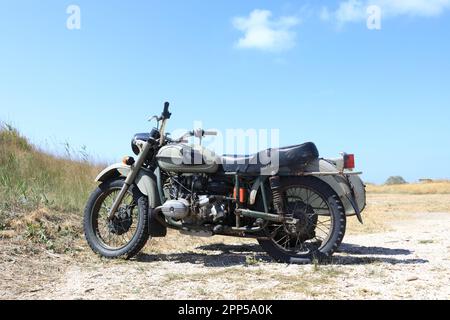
column 197, row 199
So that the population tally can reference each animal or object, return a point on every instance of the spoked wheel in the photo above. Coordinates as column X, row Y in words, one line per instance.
column 127, row 233
column 320, row 226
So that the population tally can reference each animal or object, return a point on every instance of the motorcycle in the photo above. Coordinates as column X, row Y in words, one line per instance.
column 296, row 211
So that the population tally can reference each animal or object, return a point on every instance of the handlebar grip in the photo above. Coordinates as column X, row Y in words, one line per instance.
column 210, row 133
column 166, row 114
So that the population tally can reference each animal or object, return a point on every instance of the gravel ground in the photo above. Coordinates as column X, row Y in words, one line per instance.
column 409, row 260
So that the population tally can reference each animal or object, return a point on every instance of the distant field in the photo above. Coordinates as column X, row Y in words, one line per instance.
column 438, row 187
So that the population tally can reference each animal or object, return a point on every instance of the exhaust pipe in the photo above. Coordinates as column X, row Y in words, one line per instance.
column 265, row 216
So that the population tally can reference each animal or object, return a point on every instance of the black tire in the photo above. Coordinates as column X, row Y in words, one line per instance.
column 141, row 235
column 337, row 224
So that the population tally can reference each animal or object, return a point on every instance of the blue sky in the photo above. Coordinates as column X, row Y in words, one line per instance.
column 310, row 68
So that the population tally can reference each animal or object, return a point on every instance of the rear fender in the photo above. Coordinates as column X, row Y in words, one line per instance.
column 351, row 191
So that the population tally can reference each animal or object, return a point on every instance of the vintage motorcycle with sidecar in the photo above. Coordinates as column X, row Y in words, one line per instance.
column 297, row 209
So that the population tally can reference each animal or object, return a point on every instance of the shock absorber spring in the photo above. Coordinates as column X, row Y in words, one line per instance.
column 275, row 185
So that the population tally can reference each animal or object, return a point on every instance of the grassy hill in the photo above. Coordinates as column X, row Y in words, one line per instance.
column 41, row 196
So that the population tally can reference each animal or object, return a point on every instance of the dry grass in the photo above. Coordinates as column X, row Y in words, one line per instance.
column 383, row 208
column 29, row 178
column 437, row 187
column 394, row 202
column 41, row 196
column 281, row 282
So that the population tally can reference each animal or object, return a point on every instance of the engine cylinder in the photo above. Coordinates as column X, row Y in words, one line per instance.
column 176, row 209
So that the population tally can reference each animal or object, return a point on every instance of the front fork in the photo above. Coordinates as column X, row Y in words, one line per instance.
column 135, row 168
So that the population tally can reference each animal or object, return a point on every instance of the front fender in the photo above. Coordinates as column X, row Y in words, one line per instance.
column 145, row 180
column 113, row 171
column 147, row 183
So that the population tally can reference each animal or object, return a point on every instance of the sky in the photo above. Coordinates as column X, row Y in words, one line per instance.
column 364, row 77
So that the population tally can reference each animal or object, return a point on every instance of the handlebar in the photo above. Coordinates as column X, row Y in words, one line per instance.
column 165, row 115
column 199, row 133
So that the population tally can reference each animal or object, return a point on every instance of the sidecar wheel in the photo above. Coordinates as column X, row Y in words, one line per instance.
column 321, row 227
column 127, row 234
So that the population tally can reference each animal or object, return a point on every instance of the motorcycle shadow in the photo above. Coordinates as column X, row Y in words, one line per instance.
column 215, row 255
column 352, row 254
column 226, row 255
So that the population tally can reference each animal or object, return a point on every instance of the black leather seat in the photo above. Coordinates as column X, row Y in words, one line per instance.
column 293, row 157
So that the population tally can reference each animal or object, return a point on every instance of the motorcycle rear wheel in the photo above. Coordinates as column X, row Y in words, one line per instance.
column 127, row 234
column 322, row 227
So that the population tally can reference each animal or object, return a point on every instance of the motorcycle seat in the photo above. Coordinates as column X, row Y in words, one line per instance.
column 292, row 157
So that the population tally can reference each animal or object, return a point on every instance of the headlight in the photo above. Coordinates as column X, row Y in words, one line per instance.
column 138, row 141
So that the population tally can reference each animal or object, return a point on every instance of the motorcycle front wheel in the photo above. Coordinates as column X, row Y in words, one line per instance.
column 321, row 223
column 124, row 236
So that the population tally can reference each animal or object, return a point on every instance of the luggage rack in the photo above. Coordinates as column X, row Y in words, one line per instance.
column 330, row 173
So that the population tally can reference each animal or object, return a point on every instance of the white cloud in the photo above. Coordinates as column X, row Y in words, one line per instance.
column 425, row 8
column 355, row 10
column 264, row 33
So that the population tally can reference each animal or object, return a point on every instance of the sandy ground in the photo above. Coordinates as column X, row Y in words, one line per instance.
column 407, row 258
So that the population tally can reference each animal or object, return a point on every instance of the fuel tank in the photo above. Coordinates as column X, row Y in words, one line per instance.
column 183, row 158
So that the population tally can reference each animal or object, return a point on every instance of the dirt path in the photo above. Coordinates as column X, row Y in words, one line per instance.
column 411, row 260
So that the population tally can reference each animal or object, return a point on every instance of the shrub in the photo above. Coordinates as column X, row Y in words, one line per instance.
column 395, row 181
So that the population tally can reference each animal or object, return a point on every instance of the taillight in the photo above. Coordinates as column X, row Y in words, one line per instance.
column 349, row 161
